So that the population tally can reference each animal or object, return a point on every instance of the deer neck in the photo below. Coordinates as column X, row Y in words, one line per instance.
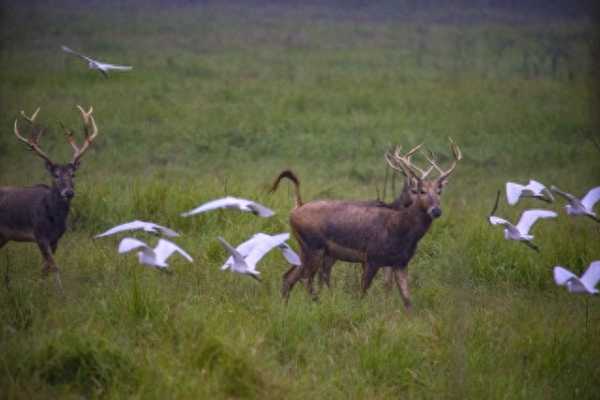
column 60, row 205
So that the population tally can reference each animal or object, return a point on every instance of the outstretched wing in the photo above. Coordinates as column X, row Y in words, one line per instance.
column 290, row 255
column 566, row 195
column 244, row 249
column 70, row 51
column 127, row 244
column 591, row 276
column 225, row 202
column 260, row 210
column 237, row 257
column 115, row 67
column 165, row 248
column 128, row 226
column 262, row 247
column 529, row 217
column 513, row 192
column 562, row 276
column 166, row 231
column 591, row 198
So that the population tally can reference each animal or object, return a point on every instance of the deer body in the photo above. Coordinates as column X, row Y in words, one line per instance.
column 372, row 233
column 39, row 213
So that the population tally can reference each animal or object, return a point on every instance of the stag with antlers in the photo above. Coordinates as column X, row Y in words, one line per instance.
column 39, row 213
column 374, row 235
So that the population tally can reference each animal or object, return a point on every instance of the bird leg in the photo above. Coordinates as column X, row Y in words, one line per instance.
column 531, row 245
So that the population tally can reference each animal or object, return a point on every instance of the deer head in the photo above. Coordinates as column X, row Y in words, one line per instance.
column 418, row 190
column 62, row 174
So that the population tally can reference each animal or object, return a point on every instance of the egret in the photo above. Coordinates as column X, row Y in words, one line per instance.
column 102, row 67
column 149, row 227
column 155, row 257
column 232, row 203
column 584, row 206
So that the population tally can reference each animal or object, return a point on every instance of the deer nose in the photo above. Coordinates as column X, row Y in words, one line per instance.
column 436, row 212
column 68, row 193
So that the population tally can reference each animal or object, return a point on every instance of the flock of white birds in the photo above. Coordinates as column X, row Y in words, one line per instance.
column 243, row 258
column 520, row 232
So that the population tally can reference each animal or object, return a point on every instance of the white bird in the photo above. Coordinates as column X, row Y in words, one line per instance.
column 246, row 264
column 102, row 67
column 232, row 203
column 574, row 284
column 245, row 248
column 156, row 257
column 137, row 225
column 533, row 189
column 583, row 206
column 520, row 231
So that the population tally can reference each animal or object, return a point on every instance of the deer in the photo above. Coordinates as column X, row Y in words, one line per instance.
column 39, row 213
column 373, row 234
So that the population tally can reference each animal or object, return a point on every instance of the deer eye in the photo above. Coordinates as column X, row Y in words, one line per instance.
column 423, row 192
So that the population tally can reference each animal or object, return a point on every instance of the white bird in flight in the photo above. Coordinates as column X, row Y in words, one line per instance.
column 246, row 264
column 586, row 284
column 583, row 206
column 535, row 189
column 245, row 248
column 137, row 225
column 155, row 257
column 520, row 231
column 102, row 67
column 232, row 203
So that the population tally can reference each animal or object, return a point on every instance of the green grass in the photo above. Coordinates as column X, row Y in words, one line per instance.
column 220, row 100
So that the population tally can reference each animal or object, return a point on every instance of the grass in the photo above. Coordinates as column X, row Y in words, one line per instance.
column 222, row 97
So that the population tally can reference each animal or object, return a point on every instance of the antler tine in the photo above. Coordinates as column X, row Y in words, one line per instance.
column 457, row 157
column 406, row 159
column 32, row 142
column 70, row 137
column 88, row 122
column 401, row 163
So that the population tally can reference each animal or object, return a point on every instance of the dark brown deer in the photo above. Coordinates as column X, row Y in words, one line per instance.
column 39, row 213
column 373, row 235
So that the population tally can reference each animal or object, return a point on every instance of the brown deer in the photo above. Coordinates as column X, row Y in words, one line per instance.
column 373, row 234
column 39, row 213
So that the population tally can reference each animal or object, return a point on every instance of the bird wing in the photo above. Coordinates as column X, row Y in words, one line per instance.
column 68, row 50
column 562, row 276
column 290, row 255
column 591, row 276
column 107, row 66
column 127, row 244
column 259, row 209
column 244, row 249
column 225, row 202
column 535, row 186
column 513, row 192
column 165, row 248
column 166, row 231
column 128, row 226
column 529, row 217
column 591, row 198
column 237, row 257
column 566, row 195
column 262, row 247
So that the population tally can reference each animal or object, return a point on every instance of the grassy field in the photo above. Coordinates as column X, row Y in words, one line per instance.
column 220, row 100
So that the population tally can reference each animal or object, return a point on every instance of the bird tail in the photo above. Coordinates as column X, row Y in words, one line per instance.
column 291, row 176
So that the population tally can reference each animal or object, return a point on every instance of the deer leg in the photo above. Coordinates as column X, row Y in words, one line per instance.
column 49, row 264
column 325, row 272
column 401, row 275
column 388, row 278
column 369, row 272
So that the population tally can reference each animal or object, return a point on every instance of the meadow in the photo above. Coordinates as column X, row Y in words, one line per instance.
column 221, row 99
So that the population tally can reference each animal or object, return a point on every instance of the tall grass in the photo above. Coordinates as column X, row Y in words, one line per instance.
column 221, row 98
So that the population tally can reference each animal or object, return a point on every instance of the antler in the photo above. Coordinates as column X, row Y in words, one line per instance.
column 90, row 131
column 404, row 164
column 457, row 157
column 34, row 138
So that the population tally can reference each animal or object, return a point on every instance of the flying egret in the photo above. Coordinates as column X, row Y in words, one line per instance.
column 246, row 264
column 574, row 284
column 245, row 248
column 155, row 257
column 232, row 203
column 137, row 225
column 584, row 206
column 535, row 189
column 520, row 231
column 102, row 67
